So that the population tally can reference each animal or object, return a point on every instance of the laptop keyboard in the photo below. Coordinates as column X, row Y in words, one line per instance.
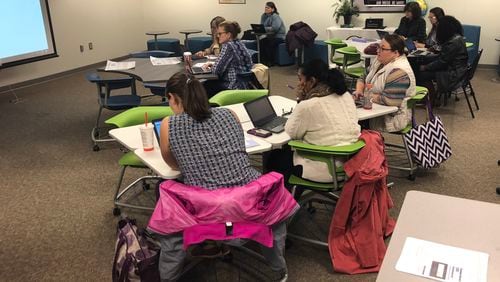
column 418, row 52
column 276, row 122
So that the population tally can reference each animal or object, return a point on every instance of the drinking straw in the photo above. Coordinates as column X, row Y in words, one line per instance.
column 146, row 119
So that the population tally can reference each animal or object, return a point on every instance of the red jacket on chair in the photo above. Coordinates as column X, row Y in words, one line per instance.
column 361, row 219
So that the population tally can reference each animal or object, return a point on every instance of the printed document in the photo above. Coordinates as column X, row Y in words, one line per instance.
column 249, row 143
column 164, row 61
column 111, row 65
column 442, row 262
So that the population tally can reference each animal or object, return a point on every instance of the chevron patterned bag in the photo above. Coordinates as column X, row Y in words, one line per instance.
column 428, row 143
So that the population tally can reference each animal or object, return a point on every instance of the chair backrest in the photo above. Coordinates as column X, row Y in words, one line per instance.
column 327, row 154
column 136, row 115
column 153, row 53
column 472, row 33
column 250, row 79
column 156, row 89
column 230, row 97
column 472, row 67
column 106, row 85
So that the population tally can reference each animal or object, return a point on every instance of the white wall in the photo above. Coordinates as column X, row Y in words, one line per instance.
column 113, row 26
column 117, row 27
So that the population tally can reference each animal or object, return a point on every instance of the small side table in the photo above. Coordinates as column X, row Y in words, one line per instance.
column 155, row 34
column 187, row 32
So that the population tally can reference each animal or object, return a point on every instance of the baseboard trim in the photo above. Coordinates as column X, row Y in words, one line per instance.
column 43, row 79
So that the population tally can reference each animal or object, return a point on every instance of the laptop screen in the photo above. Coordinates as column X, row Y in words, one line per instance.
column 258, row 28
column 410, row 45
column 260, row 111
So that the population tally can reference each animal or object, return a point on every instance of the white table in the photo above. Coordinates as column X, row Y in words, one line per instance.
column 343, row 32
column 445, row 220
column 130, row 137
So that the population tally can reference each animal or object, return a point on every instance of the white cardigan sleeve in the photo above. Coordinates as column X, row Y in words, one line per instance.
column 296, row 125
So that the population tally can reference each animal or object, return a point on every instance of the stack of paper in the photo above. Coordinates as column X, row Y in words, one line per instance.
column 164, row 61
column 441, row 262
column 110, row 65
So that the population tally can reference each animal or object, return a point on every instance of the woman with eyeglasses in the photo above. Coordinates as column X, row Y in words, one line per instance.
column 275, row 29
column 207, row 145
column 435, row 14
column 214, row 49
column 412, row 25
column 449, row 68
column 393, row 83
column 233, row 59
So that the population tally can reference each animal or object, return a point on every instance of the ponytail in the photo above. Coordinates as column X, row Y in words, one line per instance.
column 192, row 95
column 336, row 82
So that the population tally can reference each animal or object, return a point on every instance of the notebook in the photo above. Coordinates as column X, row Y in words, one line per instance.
column 263, row 116
column 377, row 23
column 382, row 33
column 258, row 28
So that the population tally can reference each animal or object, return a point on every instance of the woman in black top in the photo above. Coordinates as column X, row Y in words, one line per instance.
column 449, row 68
column 412, row 25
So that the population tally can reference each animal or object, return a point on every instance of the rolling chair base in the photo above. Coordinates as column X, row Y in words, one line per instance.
column 119, row 195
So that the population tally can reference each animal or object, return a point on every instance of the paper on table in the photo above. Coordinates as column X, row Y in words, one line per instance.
column 111, row 65
column 249, row 143
column 164, row 61
column 442, row 262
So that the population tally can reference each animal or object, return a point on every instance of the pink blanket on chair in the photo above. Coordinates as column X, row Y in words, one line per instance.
column 264, row 200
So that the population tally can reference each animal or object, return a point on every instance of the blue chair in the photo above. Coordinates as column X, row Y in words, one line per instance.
column 199, row 43
column 472, row 33
column 282, row 56
column 158, row 90
column 111, row 102
column 166, row 44
column 318, row 51
column 154, row 53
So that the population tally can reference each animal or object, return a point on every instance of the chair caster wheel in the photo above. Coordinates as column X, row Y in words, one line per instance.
column 116, row 211
column 411, row 177
column 96, row 148
column 498, row 162
column 96, row 133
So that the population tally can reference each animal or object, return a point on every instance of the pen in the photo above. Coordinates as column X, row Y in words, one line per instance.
column 291, row 87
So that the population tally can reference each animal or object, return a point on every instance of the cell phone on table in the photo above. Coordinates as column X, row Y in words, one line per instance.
column 259, row 132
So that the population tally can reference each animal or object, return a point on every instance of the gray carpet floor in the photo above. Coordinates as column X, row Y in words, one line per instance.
column 57, row 194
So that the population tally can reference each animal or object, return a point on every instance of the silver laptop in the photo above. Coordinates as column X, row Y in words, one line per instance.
column 263, row 116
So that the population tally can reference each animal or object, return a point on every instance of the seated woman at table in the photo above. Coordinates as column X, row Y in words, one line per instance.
column 449, row 68
column 326, row 115
column 207, row 145
column 233, row 59
column 214, row 49
column 275, row 29
column 393, row 82
column 412, row 25
column 435, row 14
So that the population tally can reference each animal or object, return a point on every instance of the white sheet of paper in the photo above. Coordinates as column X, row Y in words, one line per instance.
column 164, row 61
column 249, row 143
column 442, row 262
column 111, row 65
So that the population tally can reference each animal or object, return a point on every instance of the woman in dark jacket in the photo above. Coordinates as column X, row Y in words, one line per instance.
column 412, row 25
column 450, row 66
column 435, row 14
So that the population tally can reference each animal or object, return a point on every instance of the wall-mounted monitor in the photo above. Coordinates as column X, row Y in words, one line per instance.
column 380, row 6
column 387, row 3
column 26, row 32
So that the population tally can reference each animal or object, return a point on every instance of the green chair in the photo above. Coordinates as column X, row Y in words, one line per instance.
column 420, row 97
column 230, row 97
column 335, row 43
column 328, row 155
column 351, row 55
column 132, row 117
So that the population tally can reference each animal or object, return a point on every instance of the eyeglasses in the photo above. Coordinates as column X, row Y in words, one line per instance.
column 380, row 49
column 219, row 33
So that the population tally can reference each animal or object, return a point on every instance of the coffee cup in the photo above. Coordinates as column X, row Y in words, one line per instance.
column 147, row 137
column 187, row 58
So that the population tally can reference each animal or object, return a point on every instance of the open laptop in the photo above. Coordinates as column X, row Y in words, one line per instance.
column 376, row 23
column 263, row 116
column 198, row 69
column 412, row 49
column 258, row 28
column 382, row 33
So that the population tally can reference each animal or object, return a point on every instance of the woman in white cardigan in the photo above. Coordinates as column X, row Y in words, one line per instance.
column 326, row 115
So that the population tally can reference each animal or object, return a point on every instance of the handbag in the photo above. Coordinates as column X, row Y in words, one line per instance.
column 371, row 49
column 136, row 258
column 428, row 142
